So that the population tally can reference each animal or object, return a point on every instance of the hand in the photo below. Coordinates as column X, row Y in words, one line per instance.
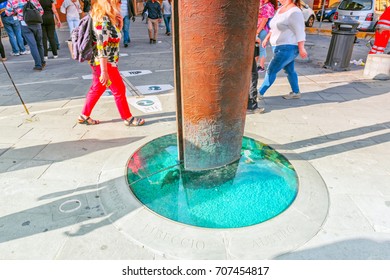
column 133, row 18
column 264, row 43
column 104, row 78
column 303, row 53
column 119, row 20
column 58, row 24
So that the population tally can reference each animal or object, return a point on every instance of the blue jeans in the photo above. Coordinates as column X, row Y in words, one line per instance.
column 33, row 36
column 167, row 21
column 263, row 51
column 73, row 22
column 126, row 30
column 284, row 56
column 14, row 31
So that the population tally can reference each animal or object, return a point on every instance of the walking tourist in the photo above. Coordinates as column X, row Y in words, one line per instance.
column 107, row 24
column 14, row 32
column 252, row 99
column 266, row 12
column 127, row 12
column 167, row 14
column 287, row 37
column 48, row 26
column 32, row 32
column 72, row 9
column 154, row 18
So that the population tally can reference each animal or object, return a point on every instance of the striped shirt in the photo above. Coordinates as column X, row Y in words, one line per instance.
column 17, row 6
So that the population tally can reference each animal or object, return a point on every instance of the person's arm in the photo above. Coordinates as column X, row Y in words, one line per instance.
column 53, row 8
column 297, row 25
column 132, row 10
column 266, row 39
column 262, row 24
column 102, row 36
column 146, row 7
column 159, row 12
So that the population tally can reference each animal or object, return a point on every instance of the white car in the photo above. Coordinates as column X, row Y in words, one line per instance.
column 308, row 14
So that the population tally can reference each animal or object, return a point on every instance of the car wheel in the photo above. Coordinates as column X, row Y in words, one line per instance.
column 310, row 21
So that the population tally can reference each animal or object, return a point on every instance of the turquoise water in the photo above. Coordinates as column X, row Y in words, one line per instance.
column 258, row 187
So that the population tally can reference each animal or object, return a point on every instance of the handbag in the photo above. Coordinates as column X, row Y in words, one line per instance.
column 30, row 14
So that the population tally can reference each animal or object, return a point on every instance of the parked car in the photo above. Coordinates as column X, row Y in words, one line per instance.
column 328, row 12
column 366, row 12
column 308, row 14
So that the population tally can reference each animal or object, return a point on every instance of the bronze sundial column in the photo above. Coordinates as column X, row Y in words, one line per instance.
column 214, row 48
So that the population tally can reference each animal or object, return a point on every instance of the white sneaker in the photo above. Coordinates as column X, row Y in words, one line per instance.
column 46, row 58
column 14, row 54
column 55, row 56
column 292, row 95
column 25, row 52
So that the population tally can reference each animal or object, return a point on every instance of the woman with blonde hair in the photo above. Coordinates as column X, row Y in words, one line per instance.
column 107, row 25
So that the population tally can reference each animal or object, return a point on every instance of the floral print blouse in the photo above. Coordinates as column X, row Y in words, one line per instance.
column 107, row 40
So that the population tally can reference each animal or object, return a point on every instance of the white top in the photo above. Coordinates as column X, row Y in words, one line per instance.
column 166, row 7
column 71, row 9
column 287, row 28
column 124, row 10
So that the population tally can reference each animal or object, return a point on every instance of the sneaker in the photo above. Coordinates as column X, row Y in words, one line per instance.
column 38, row 68
column 46, row 58
column 260, row 69
column 292, row 95
column 126, row 45
column 256, row 110
column 14, row 54
column 25, row 52
column 151, row 41
column 55, row 56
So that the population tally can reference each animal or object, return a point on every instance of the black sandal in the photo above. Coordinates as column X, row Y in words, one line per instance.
column 87, row 120
column 134, row 121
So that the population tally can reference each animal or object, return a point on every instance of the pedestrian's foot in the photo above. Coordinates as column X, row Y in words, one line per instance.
column 44, row 64
column 87, row 120
column 168, row 33
column 260, row 97
column 154, row 41
column 151, row 41
column 126, row 45
column 256, row 110
column 260, row 69
column 134, row 121
column 25, row 52
column 15, row 54
column 37, row 68
column 292, row 95
column 3, row 59
column 55, row 56
column 46, row 58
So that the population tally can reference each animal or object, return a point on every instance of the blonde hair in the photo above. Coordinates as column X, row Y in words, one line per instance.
column 109, row 8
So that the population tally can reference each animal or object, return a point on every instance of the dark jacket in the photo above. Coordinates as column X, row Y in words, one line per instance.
column 154, row 10
column 130, row 8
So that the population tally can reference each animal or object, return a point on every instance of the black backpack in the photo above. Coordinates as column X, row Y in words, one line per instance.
column 30, row 14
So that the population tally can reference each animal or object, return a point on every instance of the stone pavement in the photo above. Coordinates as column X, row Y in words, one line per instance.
column 52, row 170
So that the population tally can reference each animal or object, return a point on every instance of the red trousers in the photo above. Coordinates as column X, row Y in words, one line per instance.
column 381, row 40
column 117, row 87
